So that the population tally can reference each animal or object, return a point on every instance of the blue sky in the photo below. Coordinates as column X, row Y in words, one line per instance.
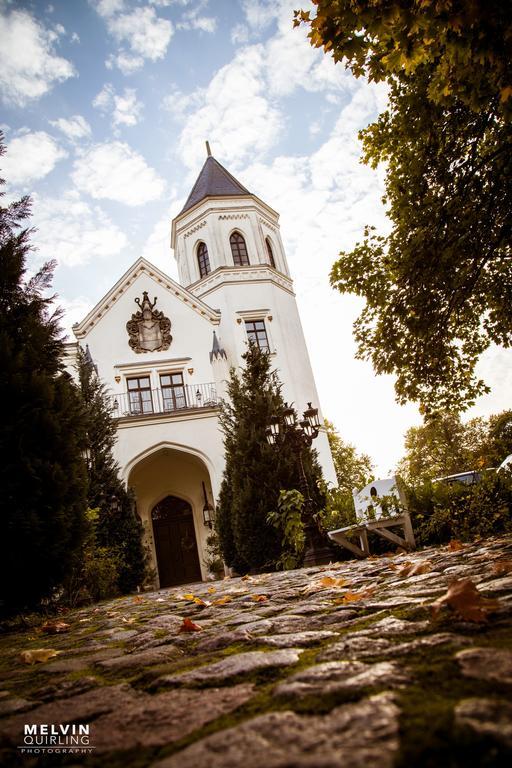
column 106, row 107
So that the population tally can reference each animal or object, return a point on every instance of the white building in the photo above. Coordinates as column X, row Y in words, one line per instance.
column 165, row 348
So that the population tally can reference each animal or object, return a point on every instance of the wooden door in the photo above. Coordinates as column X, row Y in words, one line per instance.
column 175, row 542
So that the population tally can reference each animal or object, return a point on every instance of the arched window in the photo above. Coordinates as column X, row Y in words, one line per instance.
column 271, row 259
column 239, row 250
column 203, row 259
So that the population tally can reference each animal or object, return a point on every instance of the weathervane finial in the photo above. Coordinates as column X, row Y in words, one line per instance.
column 208, row 150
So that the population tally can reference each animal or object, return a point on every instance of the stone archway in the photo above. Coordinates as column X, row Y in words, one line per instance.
column 175, row 542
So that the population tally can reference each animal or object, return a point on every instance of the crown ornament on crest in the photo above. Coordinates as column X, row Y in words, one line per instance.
column 149, row 330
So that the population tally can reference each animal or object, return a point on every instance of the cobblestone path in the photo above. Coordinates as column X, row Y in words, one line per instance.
column 321, row 667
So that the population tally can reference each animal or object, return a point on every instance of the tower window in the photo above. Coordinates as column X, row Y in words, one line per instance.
column 257, row 333
column 239, row 250
column 203, row 259
column 271, row 259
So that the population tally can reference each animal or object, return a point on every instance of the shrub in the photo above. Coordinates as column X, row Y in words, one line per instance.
column 288, row 520
column 442, row 512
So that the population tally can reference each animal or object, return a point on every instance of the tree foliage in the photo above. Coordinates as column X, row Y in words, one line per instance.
column 256, row 472
column 353, row 469
column 438, row 288
column 445, row 445
column 117, row 527
column 42, row 474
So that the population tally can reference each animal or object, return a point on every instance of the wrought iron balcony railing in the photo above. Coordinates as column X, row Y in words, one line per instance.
column 144, row 402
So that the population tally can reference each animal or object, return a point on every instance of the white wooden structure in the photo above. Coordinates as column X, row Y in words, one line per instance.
column 379, row 506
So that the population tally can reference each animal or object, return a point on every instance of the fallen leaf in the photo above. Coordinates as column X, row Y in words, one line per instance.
column 211, row 590
column 502, row 567
column 466, row 601
column 39, row 655
column 222, row 600
column 200, row 601
column 326, row 582
column 189, row 626
column 188, row 596
column 159, row 600
column 259, row 598
column 414, row 569
column 455, row 545
column 129, row 621
column 55, row 627
column 354, row 597
column 247, row 577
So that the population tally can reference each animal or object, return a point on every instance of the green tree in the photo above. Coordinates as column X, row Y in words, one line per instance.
column 438, row 288
column 499, row 439
column 42, row 474
column 118, row 528
column 256, row 472
column 353, row 469
column 444, row 445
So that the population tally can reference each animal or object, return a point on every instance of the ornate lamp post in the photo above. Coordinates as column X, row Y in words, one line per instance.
column 301, row 436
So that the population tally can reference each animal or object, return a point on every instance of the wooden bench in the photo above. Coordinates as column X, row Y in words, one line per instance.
column 379, row 506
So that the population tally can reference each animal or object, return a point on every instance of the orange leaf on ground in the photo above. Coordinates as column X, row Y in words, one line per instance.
column 502, row 567
column 466, row 601
column 222, row 600
column 211, row 590
column 414, row 569
column 259, row 598
column 326, row 582
column 189, row 626
column 39, row 655
column 247, row 577
column 199, row 601
column 55, row 627
column 354, row 597
column 188, row 596
column 138, row 599
column 455, row 545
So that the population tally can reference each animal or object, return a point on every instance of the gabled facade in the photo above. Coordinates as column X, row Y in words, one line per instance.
column 165, row 349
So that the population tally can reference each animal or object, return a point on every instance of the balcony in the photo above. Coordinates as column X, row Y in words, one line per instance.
column 165, row 400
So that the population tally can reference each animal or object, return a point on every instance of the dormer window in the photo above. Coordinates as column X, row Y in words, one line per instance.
column 271, row 259
column 203, row 259
column 239, row 250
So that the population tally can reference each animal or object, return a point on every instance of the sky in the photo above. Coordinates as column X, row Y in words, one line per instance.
column 106, row 105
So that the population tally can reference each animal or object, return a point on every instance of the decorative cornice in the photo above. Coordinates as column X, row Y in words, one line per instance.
column 267, row 223
column 254, row 274
column 233, row 216
column 195, row 229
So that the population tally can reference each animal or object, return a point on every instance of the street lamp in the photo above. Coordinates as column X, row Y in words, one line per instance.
column 301, row 436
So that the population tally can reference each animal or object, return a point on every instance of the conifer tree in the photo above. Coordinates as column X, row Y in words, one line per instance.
column 42, row 473
column 118, row 528
column 255, row 472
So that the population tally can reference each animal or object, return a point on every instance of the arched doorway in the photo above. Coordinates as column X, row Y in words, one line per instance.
column 175, row 542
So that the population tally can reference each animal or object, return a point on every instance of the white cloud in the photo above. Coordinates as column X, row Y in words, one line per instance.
column 30, row 156
column 74, row 128
column 114, row 171
column 233, row 112
column 239, row 34
column 74, row 232
column 29, row 66
column 124, row 108
column 74, row 311
column 141, row 33
column 75, row 37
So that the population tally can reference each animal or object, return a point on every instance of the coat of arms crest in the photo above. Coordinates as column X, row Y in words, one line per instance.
column 149, row 330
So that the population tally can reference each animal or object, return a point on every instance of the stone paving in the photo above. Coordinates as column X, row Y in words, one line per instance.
column 342, row 665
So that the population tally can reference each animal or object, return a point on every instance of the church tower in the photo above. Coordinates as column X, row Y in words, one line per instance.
column 230, row 255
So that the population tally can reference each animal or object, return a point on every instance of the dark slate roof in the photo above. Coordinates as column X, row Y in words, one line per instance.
column 213, row 180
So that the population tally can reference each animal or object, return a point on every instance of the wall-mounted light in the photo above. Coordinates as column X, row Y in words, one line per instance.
column 208, row 510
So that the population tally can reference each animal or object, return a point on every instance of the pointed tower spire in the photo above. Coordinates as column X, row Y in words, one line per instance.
column 213, row 181
column 217, row 351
